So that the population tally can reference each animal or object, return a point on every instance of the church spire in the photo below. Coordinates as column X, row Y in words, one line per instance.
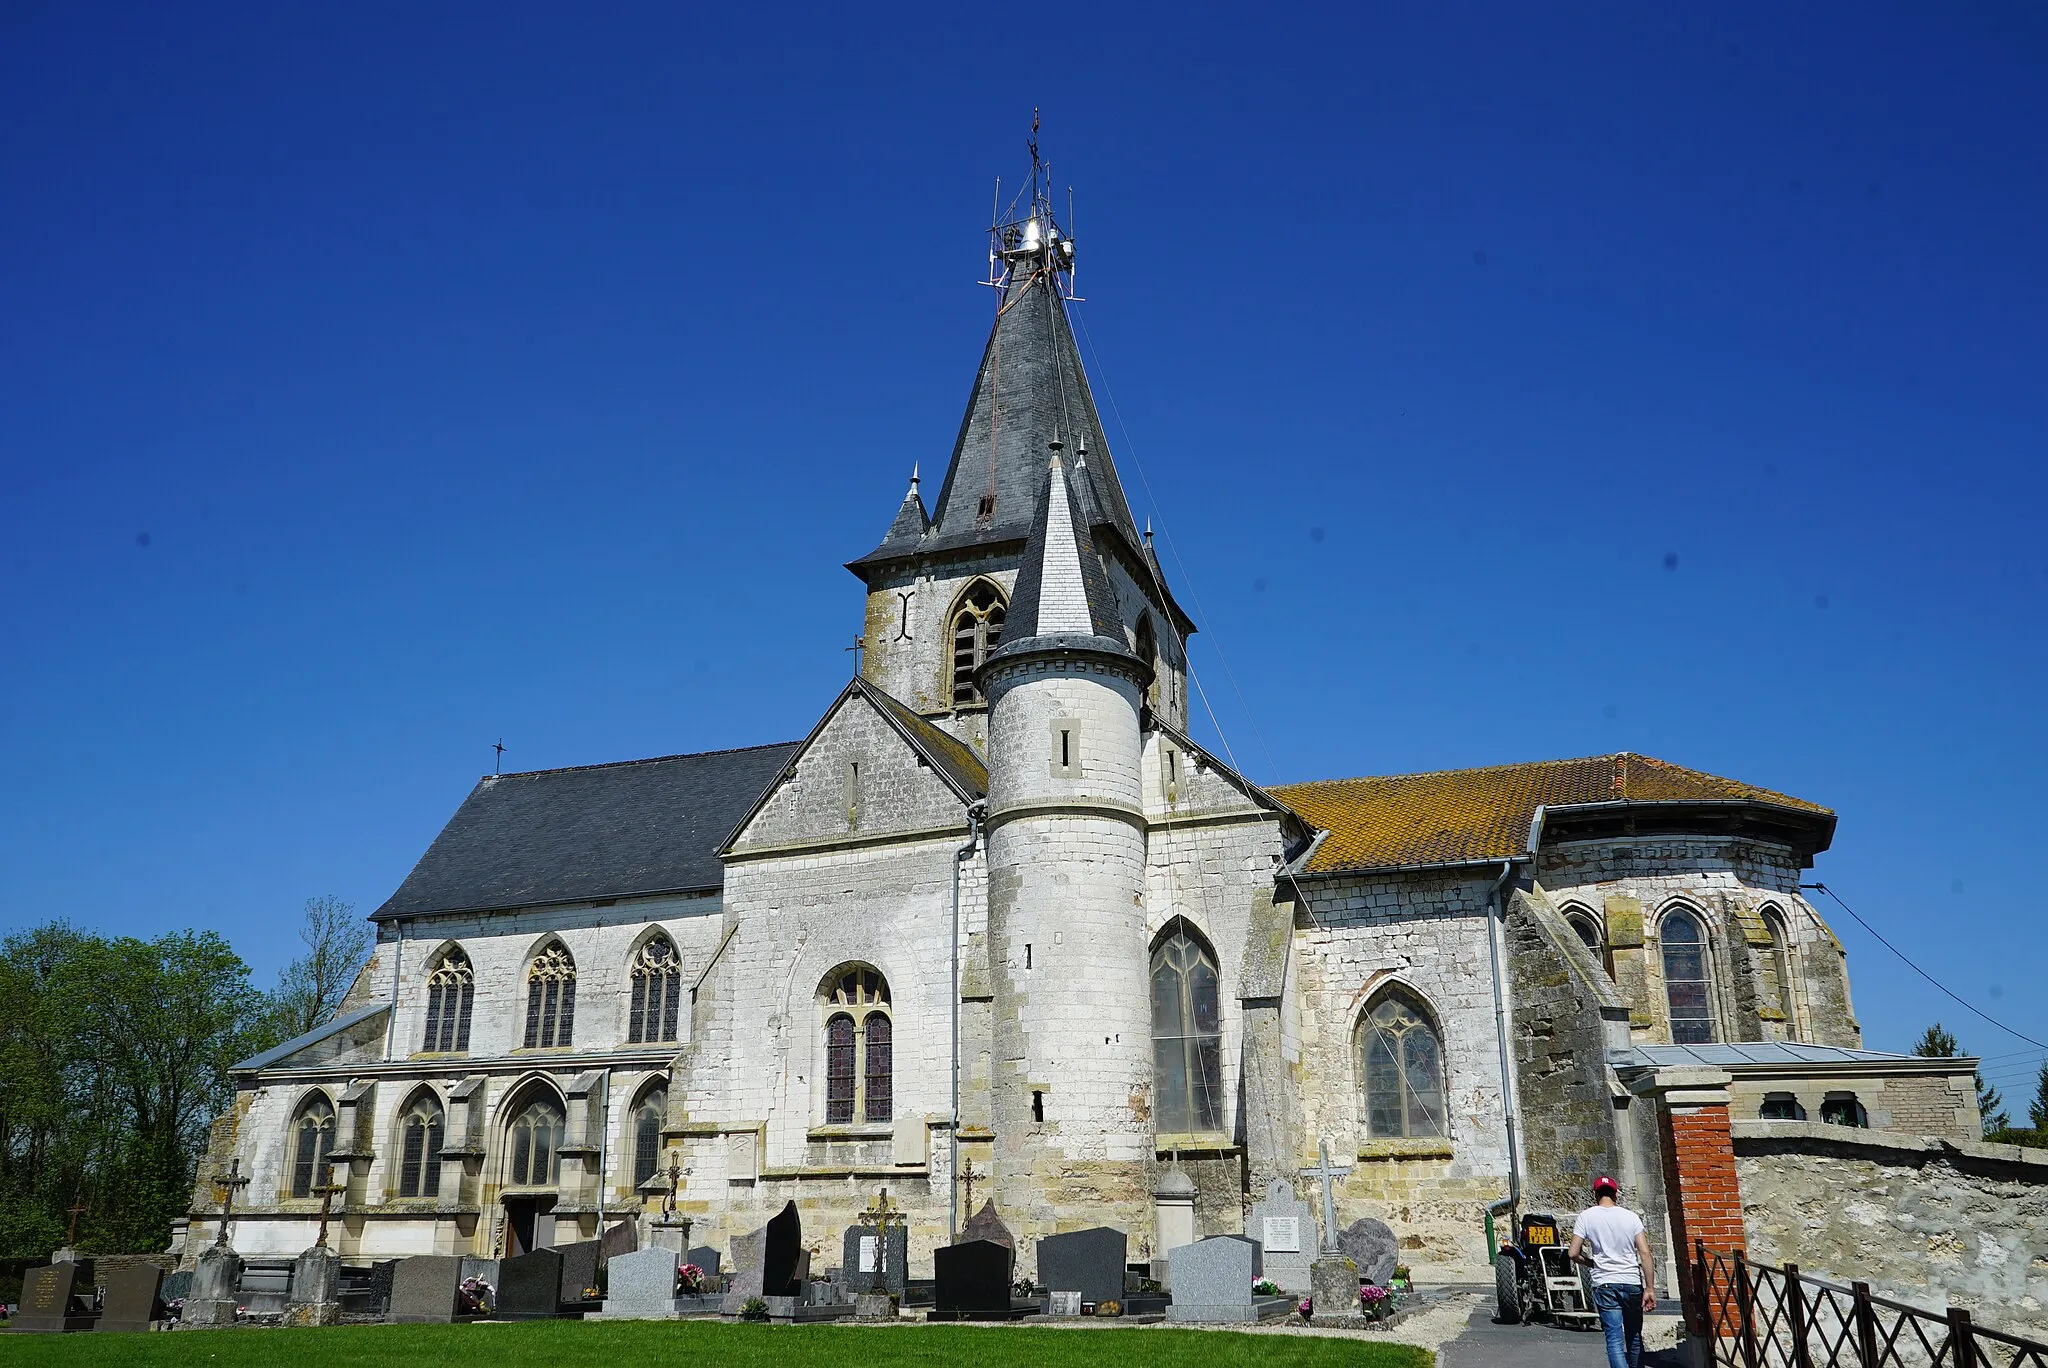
column 1062, row 591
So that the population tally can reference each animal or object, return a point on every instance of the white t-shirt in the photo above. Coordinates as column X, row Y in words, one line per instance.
column 1609, row 1233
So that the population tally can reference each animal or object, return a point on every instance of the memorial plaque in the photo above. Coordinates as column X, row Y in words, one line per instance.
column 423, row 1290
column 1090, row 1262
column 129, row 1297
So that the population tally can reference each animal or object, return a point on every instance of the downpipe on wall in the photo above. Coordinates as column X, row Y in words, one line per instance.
column 975, row 813
column 1496, row 926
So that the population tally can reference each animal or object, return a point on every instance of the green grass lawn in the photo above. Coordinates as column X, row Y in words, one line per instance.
column 623, row 1344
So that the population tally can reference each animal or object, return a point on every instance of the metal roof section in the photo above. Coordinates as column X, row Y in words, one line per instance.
column 278, row 1053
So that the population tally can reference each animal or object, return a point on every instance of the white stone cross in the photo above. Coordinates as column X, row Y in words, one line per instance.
column 1327, row 1172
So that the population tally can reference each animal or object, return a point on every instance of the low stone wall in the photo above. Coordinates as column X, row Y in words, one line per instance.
column 1923, row 1220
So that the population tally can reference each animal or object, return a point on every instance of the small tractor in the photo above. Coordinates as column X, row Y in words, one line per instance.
column 1533, row 1279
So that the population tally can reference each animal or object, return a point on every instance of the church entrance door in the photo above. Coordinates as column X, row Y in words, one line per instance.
column 528, row 1224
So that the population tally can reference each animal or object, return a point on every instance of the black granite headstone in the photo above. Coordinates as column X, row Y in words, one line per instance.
column 128, row 1297
column 530, row 1286
column 381, row 1274
column 1090, row 1262
column 971, row 1278
column 706, row 1258
column 785, row 1235
column 579, row 1271
column 46, row 1300
column 874, row 1261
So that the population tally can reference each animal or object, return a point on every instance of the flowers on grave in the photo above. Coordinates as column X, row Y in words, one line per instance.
column 754, row 1309
column 1109, row 1308
column 1024, row 1287
column 689, row 1280
column 1306, row 1307
column 475, row 1297
column 1265, row 1287
column 1376, row 1301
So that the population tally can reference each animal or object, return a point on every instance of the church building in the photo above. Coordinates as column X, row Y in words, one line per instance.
column 998, row 928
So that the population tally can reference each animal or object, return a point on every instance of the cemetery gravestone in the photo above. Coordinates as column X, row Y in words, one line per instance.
column 46, row 1301
column 381, row 1275
column 640, row 1285
column 579, row 1272
column 745, row 1283
column 1285, row 1227
column 423, row 1290
column 876, row 1260
column 477, row 1266
column 530, row 1286
column 128, row 1298
column 706, row 1258
column 986, row 1225
column 1333, row 1284
column 177, row 1286
column 782, row 1252
column 215, row 1285
column 1370, row 1244
column 1212, row 1281
column 971, row 1280
column 315, row 1289
column 1090, row 1262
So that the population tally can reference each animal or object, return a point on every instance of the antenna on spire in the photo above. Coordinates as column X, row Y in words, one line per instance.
column 1028, row 235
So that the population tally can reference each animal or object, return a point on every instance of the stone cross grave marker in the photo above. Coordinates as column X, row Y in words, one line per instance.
column 1277, row 1224
column 1327, row 1173
column 229, row 1184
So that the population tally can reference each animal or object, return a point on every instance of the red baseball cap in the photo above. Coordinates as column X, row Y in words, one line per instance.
column 1606, row 1184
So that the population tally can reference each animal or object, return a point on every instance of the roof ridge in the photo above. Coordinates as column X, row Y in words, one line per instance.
column 644, row 760
column 1484, row 769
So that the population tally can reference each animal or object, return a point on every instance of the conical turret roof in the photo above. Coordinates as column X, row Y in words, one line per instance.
column 1062, row 591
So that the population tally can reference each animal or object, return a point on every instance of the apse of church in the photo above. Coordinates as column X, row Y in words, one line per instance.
column 744, row 972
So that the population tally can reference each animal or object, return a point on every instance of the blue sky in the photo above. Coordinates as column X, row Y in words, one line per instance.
column 375, row 383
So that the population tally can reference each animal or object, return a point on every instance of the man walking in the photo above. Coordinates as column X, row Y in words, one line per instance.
column 1608, row 1238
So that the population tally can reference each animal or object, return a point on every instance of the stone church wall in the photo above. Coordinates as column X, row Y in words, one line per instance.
column 1927, row 1222
column 1428, row 931
column 1628, row 887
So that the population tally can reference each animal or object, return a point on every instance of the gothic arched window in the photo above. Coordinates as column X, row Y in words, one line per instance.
column 859, row 1048
column 657, row 993
column 451, row 989
column 647, row 1117
column 1587, row 928
column 1401, row 1060
column 312, row 1140
column 1187, row 1036
column 535, row 1138
column 419, row 1169
column 1147, row 649
column 977, row 626
column 551, row 998
column 1687, row 987
column 1778, row 971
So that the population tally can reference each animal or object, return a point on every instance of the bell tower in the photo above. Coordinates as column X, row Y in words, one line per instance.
column 941, row 585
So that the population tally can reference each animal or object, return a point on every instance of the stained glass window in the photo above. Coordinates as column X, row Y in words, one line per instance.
column 1402, row 1062
column 1686, row 985
column 1187, row 1037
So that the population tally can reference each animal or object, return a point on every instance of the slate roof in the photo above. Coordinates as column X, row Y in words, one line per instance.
column 953, row 758
column 1031, row 367
column 1455, row 816
column 1060, row 582
column 592, row 831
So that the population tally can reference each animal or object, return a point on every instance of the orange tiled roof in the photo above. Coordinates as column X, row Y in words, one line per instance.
column 1484, row 814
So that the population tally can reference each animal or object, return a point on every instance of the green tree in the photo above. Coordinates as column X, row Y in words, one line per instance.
column 1938, row 1043
column 310, row 989
column 2037, row 1110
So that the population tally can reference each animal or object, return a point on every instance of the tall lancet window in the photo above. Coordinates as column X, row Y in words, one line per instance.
column 451, row 991
column 1187, row 1036
column 1687, row 988
column 647, row 1117
column 419, row 1166
column 312, row 1139
column 1401, row 1059
column 657, row 993
column 860, row 1053
column 551, row 999
column 977, row 627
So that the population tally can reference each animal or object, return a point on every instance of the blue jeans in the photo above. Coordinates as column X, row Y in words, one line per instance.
column 1621, row 1315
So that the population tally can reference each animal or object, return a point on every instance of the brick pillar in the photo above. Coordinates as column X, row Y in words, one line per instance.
column 1700, row 1186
